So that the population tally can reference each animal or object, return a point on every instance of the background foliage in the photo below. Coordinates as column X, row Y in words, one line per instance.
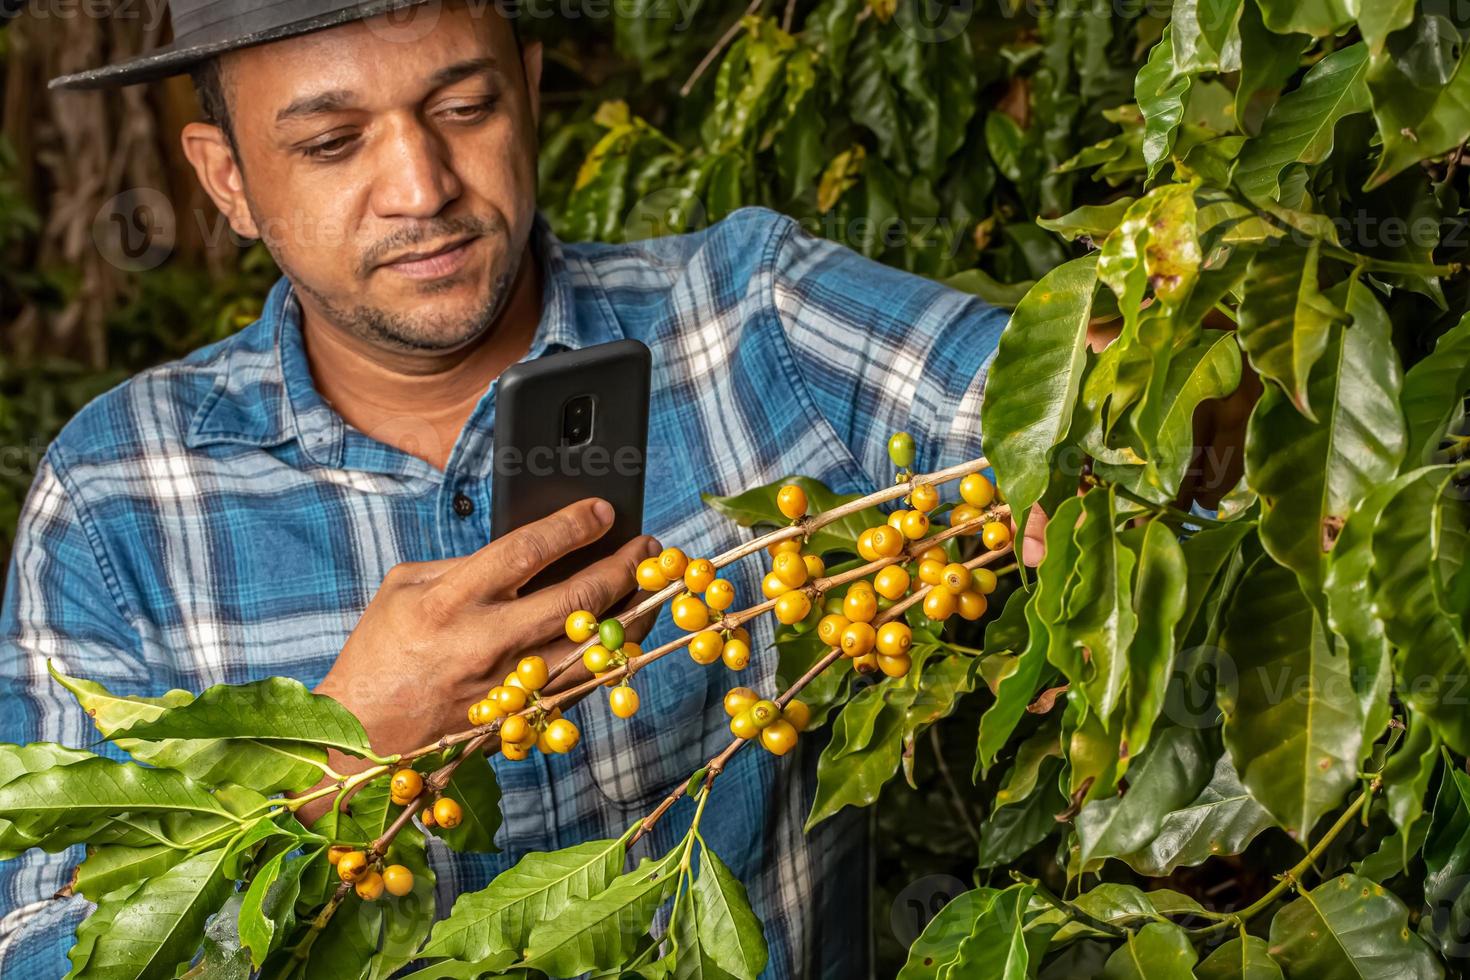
column 1179, row 708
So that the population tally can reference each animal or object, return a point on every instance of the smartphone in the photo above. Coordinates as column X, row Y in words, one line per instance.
column 570, row 426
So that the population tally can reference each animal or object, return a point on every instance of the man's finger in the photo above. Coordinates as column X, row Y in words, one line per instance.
column 508, row 563
column 595, row 588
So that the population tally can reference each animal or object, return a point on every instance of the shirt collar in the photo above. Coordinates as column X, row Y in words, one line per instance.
column 263, row 394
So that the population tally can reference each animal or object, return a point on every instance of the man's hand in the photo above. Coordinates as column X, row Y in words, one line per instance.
column 438, row 634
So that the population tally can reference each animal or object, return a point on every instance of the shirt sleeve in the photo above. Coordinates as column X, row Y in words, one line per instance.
column 883, row 351
column 58, row 605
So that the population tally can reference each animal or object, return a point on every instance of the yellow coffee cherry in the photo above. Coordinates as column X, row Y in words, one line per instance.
column 628, row 652
column 964, row 514
column 562, row 736
column 720, row 595
column 398, row 880
column 829, row 630
column 935, row 552
column 370, row 887
column 790, row 569
column 859, row 605
column 866, row 664
column 797, row 714
column 690, row 614
column 924, row 497
column 977, row 491
column 650, row 576
column 533, row 673
column 892, row 582
column 736, row 653
column 772, row 586
column 791, row 501
column 405, row 786
column 894, row 639
column 509, row 698
column 336, row 852
column 484, row 712
column 887, row 542
column 352, row 866
column 895, row 520
column 995, row 535
column 514, row 730
column 931, row 572
column 518, row 751
column 763, row 712
column 857, row 639
column 894, row 666
column 447, row 813
column 779, row 737
column 743, row 726
column 940, row 604
column 540, row 744
column 673, row 563
column 580, row 626
column 971, row 605
column 915, row 525
column 955, row 577
column 623, row 701
column 699, row 575
column 705, row 647
column 985, row 581
column 865, row 545
column 597, row 658
column 737, row 699
column 787, row 544
column 792, row 608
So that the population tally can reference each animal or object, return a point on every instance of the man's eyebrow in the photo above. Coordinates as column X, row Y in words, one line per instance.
column 338, row 99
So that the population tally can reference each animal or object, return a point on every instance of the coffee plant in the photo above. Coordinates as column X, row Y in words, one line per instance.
column 1223, row 742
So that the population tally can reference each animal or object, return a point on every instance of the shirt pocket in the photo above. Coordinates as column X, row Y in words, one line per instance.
column 637, row 761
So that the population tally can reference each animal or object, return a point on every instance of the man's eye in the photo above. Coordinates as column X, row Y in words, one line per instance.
column 328, row 149
column 470, row 113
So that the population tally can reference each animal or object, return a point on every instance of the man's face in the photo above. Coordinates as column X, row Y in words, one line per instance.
column 390, row 168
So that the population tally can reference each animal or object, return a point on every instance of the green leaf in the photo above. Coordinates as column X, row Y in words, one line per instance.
column 1246, row 958
column 1268, row 61
column 1021, row 778
column 1222, row 820
column 224, row 958
column 96, row 788
column 155, row 931
column 1414, row 543
column 601, row 931
column 1447, row 861
column 406, row 920
column 1159, row 601
column 1417, row 122
column 1206, row 35
column 1161, row 95
column 690, row 958
column 1310, row 474
column 1315, row 17
column 270, row 902
column 1350, row 927
column 1015, row 689
column 1381, row 18
column 1292, row 734
column 796, row 653
column 477, row 791
column 996, row 946
column 1092, row 221
column 110, row 868
column 1120, row 905
column 1406, row 778
column 939, row 943
column 278, row 709
column 1011, row 831
column 729, row 931
column 1434, row 392
column 1173, row 772
column 267, row 767
column 864, row 753
column 539, row 888
column 1285, row 319
column 1158, row 951
column 1300, row 127
column 1100, row 618
column 758, row 507
column 1035, row 377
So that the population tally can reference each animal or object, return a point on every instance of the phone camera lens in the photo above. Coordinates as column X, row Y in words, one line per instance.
column 577, row 420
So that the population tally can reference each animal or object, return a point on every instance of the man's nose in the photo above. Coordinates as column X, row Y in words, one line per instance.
column 415, row 178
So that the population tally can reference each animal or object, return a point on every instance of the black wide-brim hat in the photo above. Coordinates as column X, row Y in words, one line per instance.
column 205, row 28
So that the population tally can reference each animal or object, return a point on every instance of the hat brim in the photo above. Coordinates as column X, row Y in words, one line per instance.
column 175, row 59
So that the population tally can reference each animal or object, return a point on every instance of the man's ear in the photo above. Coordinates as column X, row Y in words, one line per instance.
column 531, row 60
column 209, row 151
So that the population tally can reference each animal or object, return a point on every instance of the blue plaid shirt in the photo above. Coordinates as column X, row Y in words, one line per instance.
column 213, row 521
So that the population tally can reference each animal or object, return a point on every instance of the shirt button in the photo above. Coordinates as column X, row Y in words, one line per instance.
column 463, row 506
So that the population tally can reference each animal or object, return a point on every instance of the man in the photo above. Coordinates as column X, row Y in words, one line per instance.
column 311, row 496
